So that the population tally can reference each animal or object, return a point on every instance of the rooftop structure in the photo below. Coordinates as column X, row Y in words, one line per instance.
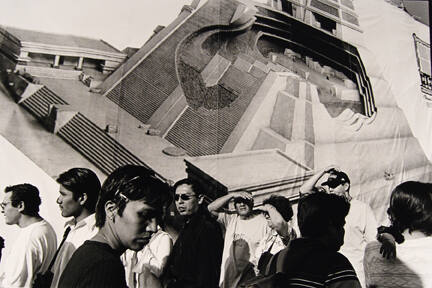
column 35, row 51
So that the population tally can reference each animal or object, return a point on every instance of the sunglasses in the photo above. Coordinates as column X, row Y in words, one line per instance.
column 4, row 204
column 333, row 184
column 184, row 197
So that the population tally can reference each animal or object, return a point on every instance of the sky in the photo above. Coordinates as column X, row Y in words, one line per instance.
column 120, row 23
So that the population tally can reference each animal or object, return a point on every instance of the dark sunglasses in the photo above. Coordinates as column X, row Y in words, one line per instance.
column 184, row 197
column 334, row 184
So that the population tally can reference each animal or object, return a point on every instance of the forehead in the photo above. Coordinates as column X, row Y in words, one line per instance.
column 7, row 196
column 64, row 190
column 184, row 189
column 139, row 206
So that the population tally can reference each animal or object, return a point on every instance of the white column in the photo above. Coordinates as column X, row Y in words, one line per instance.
column 56, row 61
column 80, row 63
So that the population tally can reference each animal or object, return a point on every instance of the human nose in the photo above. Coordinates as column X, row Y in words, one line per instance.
column 151, row 225
column 58, row 200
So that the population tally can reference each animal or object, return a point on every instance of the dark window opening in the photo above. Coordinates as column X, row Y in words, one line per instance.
column 326, row 23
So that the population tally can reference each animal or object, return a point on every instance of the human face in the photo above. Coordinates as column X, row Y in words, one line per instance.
column 68, row 205
column 11, row 214
column 267, row 217
column 186, row 200
column 136, row 225
column 339, row 190
column 242, row 208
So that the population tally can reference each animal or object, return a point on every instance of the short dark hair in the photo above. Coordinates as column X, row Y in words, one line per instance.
column 197, row 188
column 411, row 207
column 319, row 210
column 282, row 205
column 132, row 182
column 28, row 194
column 80, row 181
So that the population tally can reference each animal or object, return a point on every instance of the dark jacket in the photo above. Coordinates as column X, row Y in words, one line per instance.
column 197, row 254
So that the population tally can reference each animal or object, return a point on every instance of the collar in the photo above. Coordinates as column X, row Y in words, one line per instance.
column 88, row 221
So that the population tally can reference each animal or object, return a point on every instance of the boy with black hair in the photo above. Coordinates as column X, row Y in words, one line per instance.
column 79, row 191
column 313, row 260
column 361, row 225
column 130, row 201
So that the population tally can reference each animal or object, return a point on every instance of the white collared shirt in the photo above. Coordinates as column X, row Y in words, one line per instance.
column 80, row 232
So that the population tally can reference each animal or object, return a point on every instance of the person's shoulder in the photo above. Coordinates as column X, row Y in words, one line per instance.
column 42, row 229
column 340, row 268
column 372, row 252
column 336, row 261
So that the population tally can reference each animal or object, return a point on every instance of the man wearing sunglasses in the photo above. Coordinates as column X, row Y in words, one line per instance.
column 244, row 230
column 196, row 256
column 361, row 225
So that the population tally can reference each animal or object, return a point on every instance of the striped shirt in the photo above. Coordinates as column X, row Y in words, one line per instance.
column 308, row 263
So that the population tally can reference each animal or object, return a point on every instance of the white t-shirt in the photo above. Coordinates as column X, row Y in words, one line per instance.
column 80, row 232
column 360, row 228
column 412, row 267
column 148, row 262
column 31, row 253
column 246, row 233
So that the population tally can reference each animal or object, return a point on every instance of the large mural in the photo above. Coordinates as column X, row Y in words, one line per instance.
column 229, row 83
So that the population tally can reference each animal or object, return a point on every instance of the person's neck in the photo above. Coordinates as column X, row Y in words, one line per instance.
column 106, row 235
column 245, row 217
column 27, row 220
column 413, row 234
column 84, row 214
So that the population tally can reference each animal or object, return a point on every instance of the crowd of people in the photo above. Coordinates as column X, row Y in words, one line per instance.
column 136, row 231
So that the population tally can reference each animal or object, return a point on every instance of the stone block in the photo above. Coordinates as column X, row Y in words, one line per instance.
column 349, row 94
column 349, row 84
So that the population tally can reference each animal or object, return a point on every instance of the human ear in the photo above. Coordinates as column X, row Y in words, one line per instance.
column 110, row 209
column 200, row 199
column 346, row 186
column 21, row 206
column 82, row 199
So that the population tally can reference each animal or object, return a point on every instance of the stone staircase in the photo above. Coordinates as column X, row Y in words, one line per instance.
column 39, row 102
column 96, row 145
column 74, row 128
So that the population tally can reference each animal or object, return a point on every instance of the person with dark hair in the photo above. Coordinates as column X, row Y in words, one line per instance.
column 79, row 191
column 244, row 230
column 196, row 256
column 130, row 201
column 410, row 213
column 278, row 212
column 36, row 244
column 313, row 260
column 361, row 226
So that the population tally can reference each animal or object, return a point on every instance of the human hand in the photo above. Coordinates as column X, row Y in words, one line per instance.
column 331, row 168
column 388, row 245
column 243, row 195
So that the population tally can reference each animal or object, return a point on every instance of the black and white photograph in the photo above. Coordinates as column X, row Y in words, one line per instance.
column 215, row 144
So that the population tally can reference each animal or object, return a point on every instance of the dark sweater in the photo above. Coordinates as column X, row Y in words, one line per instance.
column 197, row 254
column 307, row 262
column 94, row 265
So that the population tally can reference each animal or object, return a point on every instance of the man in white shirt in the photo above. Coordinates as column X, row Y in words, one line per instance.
column 36, row 244
column 244, row 231
column 79, row 191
